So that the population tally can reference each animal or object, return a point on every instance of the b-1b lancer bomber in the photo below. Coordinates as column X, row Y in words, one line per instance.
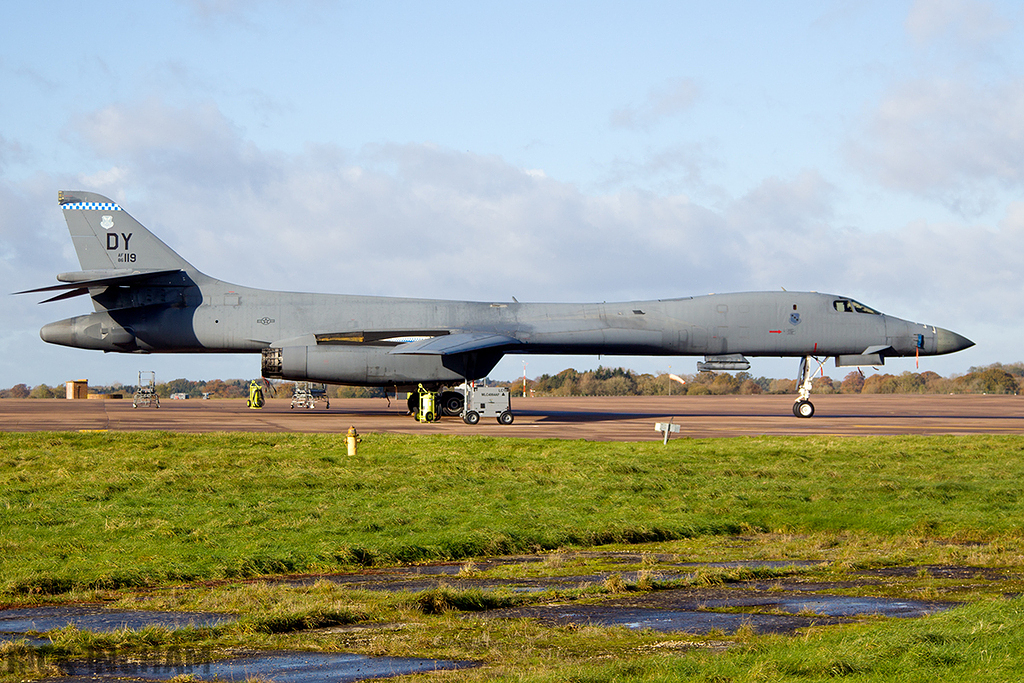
column 148, row 299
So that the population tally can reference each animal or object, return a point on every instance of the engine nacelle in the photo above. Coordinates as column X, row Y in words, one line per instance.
column 94, row 331
column 361, row 366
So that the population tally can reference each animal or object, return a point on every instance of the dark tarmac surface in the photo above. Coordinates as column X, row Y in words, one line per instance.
column 602, row 418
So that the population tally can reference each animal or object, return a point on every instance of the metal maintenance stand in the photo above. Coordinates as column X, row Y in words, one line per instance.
column 145, row 392
column 308, row 393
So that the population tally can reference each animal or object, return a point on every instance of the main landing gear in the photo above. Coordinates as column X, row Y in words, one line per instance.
column 803, row 406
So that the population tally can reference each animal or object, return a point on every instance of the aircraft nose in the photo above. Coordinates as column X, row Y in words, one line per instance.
column 950, row 342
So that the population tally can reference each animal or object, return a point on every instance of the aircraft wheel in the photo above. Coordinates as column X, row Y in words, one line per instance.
column 471, row 418
column 803, row 409
column 506, row 418
column 452, row 402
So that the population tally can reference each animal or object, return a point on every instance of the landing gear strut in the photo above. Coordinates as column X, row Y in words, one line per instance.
column 803, row 406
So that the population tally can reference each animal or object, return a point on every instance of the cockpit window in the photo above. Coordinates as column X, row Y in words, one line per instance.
column 851, row 306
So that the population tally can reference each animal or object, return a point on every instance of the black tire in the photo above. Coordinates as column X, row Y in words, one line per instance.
column 506, row 418
column 803, row 409
column 471, row 418
column 452, row 403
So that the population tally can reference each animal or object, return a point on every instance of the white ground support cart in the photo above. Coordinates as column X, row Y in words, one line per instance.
column 486, row 402
column 145, row 393
column 308, row 393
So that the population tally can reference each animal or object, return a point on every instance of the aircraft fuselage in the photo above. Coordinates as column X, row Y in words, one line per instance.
column 224, row 318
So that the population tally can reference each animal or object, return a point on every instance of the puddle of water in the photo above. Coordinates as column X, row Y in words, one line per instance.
column 753, row 564
column 100, row 620
column 841, row 606
column 427, row 581
column 663, row 621
column 685, row 611
column 827, row 605
column 939, row 571
column 27, row 640
column 281, row 667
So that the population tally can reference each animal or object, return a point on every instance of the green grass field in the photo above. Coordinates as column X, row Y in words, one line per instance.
column 116, row 516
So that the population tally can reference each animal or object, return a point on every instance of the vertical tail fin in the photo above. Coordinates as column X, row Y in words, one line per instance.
column 106, row 237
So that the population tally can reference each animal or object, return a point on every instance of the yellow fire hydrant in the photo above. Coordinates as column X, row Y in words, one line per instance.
column 353, row 439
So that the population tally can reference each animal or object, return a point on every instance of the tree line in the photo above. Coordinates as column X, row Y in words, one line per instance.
column 216, row 388
column 990, row 379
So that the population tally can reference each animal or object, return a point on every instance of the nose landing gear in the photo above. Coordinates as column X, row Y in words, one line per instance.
column 803, row 406
column 803, row 409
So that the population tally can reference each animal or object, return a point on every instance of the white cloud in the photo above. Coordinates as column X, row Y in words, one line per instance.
column 678, row 166
column 115, row 177
column 165, row 140
column 670, row 99
column 10, row 152
column 967, row 22
column 953, row 141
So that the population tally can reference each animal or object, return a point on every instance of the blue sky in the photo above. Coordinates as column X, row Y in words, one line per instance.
column 548, row 151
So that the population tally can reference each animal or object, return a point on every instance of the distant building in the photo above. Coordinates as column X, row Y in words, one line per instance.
column 78, row 388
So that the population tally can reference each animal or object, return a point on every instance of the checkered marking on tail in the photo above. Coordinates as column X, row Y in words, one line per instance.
column 92, row 206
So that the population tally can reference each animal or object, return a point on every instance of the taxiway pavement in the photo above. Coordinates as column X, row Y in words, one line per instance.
column 605, row 418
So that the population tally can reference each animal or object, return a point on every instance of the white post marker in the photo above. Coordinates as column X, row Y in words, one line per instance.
column 666, row 427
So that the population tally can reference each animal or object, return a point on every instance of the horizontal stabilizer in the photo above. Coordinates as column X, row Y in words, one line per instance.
column 115, row 281
column 66, row 295
column 461, row 342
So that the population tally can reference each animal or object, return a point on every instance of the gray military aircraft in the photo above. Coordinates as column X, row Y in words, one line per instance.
column 148, row 299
